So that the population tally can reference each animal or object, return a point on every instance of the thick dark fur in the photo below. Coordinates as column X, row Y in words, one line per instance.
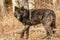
column 45, row 16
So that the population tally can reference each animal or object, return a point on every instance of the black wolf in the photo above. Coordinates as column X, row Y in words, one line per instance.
column 45, row 16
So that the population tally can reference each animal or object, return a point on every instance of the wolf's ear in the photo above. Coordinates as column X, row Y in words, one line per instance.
column 16, row 8
column 22, row 8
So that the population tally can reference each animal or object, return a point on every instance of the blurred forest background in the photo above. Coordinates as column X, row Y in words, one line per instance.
column 10, row 27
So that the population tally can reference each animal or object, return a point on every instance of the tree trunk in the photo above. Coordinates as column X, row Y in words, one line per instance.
column 54, row 3
column 31, row 4
column 2, row 8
